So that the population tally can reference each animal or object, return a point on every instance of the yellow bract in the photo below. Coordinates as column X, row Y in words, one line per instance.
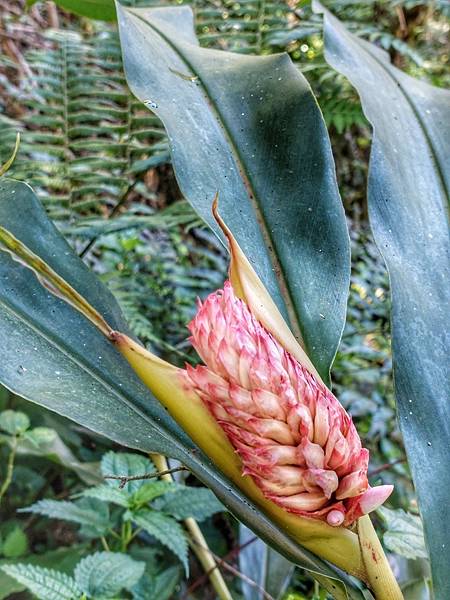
column 249, row 287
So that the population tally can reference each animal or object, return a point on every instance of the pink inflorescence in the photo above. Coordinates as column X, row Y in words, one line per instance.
column 293, row 436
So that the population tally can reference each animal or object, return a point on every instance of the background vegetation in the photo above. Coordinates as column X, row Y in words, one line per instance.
column 99, row 161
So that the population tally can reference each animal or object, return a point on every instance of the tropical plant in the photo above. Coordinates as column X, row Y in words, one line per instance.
column 246, row 133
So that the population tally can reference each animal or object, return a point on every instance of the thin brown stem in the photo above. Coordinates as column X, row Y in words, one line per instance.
column 124, row 479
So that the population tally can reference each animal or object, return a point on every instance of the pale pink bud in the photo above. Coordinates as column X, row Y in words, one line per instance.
column 294, row 438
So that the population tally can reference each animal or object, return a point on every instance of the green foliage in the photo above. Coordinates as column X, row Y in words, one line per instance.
column 404, row 533
column 94, row 9
column 82, row 132
column 105, row 574
column 157, row 586
column 46, row 584
column 176, row 503
column 165, row 529
column 98, row 577
column 93, row 514
column 14, row 423
column 409, row 161
column 184, row 502
column 14, row 544
column 88, row 161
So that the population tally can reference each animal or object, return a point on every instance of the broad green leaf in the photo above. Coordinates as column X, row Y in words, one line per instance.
column 105, row 574
column 43, row 441
column 271, row 571
column 404, row 533
column 408, row 187
column 14, row 422
column 102, row 10
column 185, row 502
column 165, row 529
column 52, row 355
column 46, row 584
column 73, row 370
column 250, row 129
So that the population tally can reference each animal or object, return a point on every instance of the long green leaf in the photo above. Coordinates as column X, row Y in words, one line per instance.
column 408, row 193
column 53, row 356
column 250, row 129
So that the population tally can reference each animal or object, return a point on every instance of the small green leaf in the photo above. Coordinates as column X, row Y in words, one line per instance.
column 125, row 464
column 107, row 573
column 404, row 533
column 199, row 503
column 46, row 584
column 14, row 422
column 151, row 490
column 15, row 544
column 165, row 529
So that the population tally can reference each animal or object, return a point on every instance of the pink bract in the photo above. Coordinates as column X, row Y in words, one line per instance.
column 293, row 436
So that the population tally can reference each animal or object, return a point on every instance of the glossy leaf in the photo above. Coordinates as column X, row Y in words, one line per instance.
column 408, row 194
column 249, row 128
column 53, row 356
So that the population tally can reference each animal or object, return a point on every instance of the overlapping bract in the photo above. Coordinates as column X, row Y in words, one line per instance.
column 294, row 438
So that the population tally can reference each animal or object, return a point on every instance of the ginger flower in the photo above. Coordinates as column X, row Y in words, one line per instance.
column 292, row 435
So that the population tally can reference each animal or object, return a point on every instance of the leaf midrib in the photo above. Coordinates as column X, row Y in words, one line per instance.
column 277, row 266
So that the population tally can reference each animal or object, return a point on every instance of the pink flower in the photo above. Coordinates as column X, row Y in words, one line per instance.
column 293, row 436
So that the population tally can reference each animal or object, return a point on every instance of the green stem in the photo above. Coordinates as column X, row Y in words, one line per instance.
column 127, row 535
column 105, row 544
column 9, row 468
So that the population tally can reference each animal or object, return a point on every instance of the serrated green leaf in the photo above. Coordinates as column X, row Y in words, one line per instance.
column 165, row 529
column 65, row 558
column 46, row 584
column 105, row 574
column 71, row 511
column 199, row 503
column 14, row 422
